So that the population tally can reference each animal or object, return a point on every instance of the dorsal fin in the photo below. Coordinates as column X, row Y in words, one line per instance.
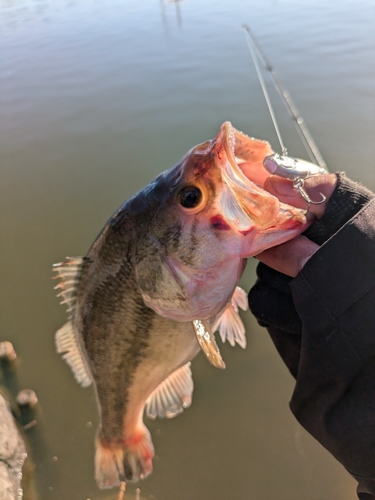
column 172, row 395
column 67, row 342
column 69, row 272
column 229, row 323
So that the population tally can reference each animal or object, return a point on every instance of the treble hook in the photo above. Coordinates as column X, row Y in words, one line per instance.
column 298, row 184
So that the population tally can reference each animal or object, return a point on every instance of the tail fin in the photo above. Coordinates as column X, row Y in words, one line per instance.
column 127, row 461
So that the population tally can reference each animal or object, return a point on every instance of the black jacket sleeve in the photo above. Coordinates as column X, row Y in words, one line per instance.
column 334, row 396
column 323, row 326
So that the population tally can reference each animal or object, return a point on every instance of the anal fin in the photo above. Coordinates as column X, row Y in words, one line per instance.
column 172, row 396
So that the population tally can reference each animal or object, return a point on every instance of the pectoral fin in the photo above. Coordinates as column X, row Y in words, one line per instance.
column 207, row 343
column 229, row 323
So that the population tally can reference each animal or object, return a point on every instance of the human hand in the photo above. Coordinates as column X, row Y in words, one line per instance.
column 290, row 257
column 270, row 299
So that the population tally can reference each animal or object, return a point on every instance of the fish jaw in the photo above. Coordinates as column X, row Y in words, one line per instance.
column 244, row 204
column 286, row 226
column 256, row 214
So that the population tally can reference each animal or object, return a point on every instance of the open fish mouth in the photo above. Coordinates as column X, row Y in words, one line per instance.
column 243, row 202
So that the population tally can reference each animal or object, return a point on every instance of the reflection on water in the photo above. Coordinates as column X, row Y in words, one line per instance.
column 98, row 97
column 165, row 5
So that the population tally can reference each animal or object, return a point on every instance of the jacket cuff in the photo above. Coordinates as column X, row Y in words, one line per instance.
column 348, row 198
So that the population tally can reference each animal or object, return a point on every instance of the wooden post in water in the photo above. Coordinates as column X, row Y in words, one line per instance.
column 12, row 454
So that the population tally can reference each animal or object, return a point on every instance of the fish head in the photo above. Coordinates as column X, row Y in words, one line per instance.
column 210, row 213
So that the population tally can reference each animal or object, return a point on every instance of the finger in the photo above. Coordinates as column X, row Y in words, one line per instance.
column 290, row 257
column 315, row 186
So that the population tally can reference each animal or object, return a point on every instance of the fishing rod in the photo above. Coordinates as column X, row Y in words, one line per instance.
column 283, row 165
column 311, row 147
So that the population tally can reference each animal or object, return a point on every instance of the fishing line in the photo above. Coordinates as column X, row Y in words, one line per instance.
column 284, row 151
column 304, row 133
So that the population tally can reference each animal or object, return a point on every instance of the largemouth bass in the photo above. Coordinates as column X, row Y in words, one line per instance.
column 159, row 279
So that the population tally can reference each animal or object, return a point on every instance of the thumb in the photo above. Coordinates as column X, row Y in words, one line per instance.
column 315, row 186
column 290, row 257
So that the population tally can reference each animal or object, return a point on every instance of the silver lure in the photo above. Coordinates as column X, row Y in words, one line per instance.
column 296, row 170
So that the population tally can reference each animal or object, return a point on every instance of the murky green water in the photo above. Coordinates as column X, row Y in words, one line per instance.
column 99, row 96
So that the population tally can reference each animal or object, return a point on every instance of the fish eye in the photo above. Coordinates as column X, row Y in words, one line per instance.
column 190, row 197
